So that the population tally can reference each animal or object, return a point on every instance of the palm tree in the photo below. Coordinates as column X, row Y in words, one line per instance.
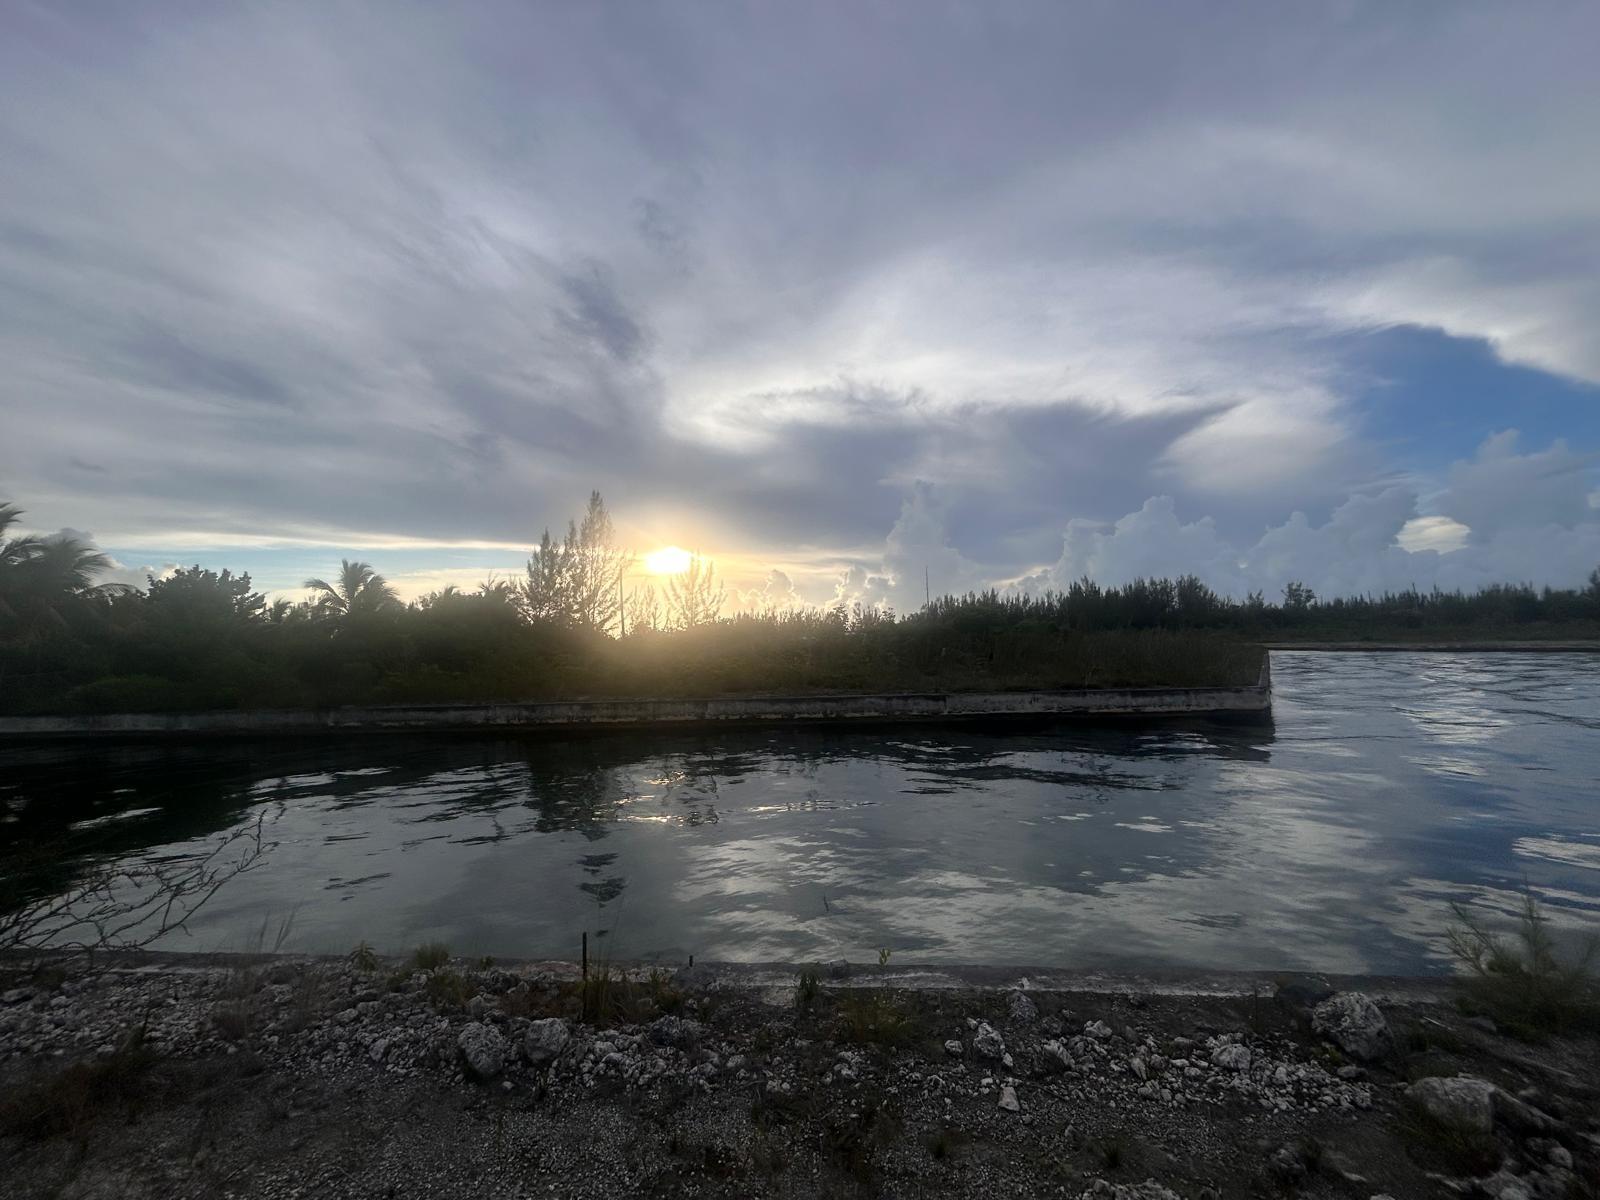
column 40, row 578
column 359, row 589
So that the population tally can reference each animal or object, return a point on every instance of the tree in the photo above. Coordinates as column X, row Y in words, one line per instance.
column 578, row 583
column 359, row 590
column 114, row 905
column 43, row 578
column 695, row 597
column 195, row 596
column 544, row 592
column 1297, row 597
column 644, row 609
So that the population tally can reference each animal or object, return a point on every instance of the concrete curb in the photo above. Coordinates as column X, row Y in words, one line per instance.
column 1254, row 701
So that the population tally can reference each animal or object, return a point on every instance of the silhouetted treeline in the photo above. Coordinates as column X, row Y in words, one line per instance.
column 206, row 639
column 1187, row 603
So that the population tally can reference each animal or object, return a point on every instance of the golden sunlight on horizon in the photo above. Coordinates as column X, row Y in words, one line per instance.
column 669, row 560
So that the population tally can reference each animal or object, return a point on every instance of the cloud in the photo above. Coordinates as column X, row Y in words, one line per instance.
column 375, row 274
column 1501, row 491
column 1534, row 525
column 776, row 594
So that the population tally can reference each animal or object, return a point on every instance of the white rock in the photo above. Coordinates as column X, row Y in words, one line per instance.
column 1008, row 1099
column 1461, row 1103
column 954, row 1048
column 986, row 1040
column 1232, row 1056
column 1354, row 1023
column 545, row 1040
column 676, row 1031
column 483, row 1049
column 1098, row 1030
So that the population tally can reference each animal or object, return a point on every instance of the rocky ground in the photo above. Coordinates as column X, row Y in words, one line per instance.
column 166, row 1077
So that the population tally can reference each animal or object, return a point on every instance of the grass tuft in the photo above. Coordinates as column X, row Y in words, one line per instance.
column 874, row 1017
column 68, row 1101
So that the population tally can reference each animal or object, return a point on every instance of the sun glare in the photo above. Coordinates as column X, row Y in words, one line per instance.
column 669, row 560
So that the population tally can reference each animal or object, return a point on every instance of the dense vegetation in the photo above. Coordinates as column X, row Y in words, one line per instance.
column 206, row 639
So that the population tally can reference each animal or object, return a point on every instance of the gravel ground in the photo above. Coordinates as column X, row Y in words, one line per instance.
column 284, row 1077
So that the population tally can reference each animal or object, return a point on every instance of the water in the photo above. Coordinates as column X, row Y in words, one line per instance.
column 1335, row 839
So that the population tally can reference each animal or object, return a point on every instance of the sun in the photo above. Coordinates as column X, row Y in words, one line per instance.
column 669, row 560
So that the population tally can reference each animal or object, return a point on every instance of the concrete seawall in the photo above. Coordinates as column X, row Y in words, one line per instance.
column 1253, row 701
column 1564, row 647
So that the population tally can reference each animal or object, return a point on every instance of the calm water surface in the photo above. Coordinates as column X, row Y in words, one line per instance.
column 1388, row 786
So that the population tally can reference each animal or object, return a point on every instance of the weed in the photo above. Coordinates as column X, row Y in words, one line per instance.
column 1526, row 987
column 364, row 958
column 431, row 956
column 448, row 990
column 854, row 1139
column 663, row 993
column 767, row 1156
column 883, row 956
column 67, row 1101
column 874, row 1017
column 606, row 996
column 1460, row 1151
column 1310, row 1151
column 1112, row 1151
column 946, row 1142
column 808, row 989
column 231, row 1021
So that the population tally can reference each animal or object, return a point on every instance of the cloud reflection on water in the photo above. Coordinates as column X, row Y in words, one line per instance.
column 1335, row 840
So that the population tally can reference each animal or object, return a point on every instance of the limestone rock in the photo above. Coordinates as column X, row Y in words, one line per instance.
column 986, row 1040
column 1022, row 1008
column 1462, row 1102
column 1008, row 1099
column 1234, row 1057
column 1303, row 992
column 676, row 1031
column 545, row 1040
column 482, row 1049
column 1354, row 1023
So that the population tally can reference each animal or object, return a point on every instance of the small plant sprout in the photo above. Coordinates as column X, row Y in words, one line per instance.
column 808, row 989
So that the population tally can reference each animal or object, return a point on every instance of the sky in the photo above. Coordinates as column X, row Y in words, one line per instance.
column 848, row 297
